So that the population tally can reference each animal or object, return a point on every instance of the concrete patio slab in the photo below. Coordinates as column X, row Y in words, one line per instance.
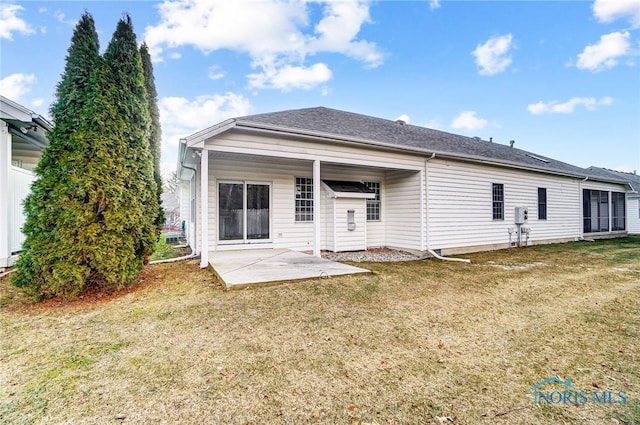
column 242, row 268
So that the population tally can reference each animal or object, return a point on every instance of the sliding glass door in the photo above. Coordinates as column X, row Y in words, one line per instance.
column 243, row 212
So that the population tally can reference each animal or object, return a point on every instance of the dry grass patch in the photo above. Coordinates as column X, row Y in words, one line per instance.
column 419, row 342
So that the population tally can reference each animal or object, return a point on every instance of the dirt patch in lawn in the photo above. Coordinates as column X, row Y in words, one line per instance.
column 413, row 343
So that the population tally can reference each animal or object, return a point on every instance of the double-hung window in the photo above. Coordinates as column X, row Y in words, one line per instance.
column 542, row 203
column 373, row 205
column 304, row 199
column 498, row 201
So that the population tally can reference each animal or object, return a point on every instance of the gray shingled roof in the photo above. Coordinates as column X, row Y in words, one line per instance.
column 631, row 178
column 348, row 125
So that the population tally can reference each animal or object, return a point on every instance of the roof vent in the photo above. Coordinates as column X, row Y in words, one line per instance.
column 401, row 122
column 490, row 139
column 511, row 143
column 476, row 138
column 538, row 158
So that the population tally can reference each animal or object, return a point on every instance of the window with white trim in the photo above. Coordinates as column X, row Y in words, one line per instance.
column 373, row 205
column 497, row 190
column 542, row 203
column 304, row 199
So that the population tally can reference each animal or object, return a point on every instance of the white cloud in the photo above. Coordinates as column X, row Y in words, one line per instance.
column 215, row 72
column 62, row 18
column 568, row 107
column 37, row 102
column 290, row 77
column 434, row 124
column 10, row 22
column 15, row 86
column 271, row 32
column 434, row 4
column 604, row 54
column 404, row 117
column 607, row 11
column 625, row 168
column 179, row 117
column 338, row 30
column 493, row 56
column 468, row 120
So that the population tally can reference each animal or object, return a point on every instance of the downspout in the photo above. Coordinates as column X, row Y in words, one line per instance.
column 426, row 198
column 581, row 206
column 426, row 189
column 195, row 230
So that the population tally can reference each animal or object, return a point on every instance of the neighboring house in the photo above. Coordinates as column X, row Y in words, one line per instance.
column 23, row 136
column 321, row 179
column 171, row 207
column 633, row 197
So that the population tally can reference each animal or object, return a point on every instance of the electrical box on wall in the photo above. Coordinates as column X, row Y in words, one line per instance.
column 351, row 220
column 522, row 215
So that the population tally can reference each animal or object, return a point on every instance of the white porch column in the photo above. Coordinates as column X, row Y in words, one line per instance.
column 610, row 194
column 204, row 209
column 5, row 161
column 316, row 208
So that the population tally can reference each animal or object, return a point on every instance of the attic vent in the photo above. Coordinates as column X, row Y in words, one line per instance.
column 538, row 158
column 401, row 122
column 476, row 138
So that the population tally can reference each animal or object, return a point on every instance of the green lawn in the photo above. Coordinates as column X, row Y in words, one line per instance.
column 424, row 342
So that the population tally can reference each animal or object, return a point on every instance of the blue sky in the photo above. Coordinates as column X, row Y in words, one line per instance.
column 562, row 78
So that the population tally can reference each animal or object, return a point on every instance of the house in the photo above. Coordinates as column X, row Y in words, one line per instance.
column 298, row 179
column 23, row 136
column 633, row 197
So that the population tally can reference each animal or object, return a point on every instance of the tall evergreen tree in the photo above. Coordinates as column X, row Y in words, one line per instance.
column 52, row 261
column 130, row 98
column 90, row 214
column 155, row 134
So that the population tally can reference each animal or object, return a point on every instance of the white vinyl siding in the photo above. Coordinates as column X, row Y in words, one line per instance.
column 402, row 204
column 375, row 229
column 327, row 218
column 367, row 156
column 633, row 215
column 345, row 239
column 20, row 181
column 460, row 205
column 286, row 232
